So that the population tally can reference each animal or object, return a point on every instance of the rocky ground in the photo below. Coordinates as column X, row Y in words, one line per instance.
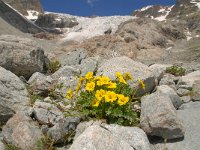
column 54, row 49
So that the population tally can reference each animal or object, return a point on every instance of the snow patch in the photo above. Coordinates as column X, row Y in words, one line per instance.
column 145, row 8
column 163, row 17
column 196, row 2
column 32, row 15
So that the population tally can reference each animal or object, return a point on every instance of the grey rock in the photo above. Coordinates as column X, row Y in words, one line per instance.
column 175, row 99
column 95, row 137
column 74, row 57
column 136, row 69
column 183, row 92
column 66, row 71
column 89, row 65
column 62, row 130
column 5, row 114
column 22, row 132
column 39, row 83
column 190, row 116
column 13, row 94
column 168, row 79
column 159, row 117
column 134, row 136
column 196, row 90
column 188, row 80
column 21, row 56
column 16, row 19
column 159, row 70
column 186, row 99
column 2, row 147
column 47, row 114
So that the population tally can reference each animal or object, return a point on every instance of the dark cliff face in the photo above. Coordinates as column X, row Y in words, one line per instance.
column 17, row 20
column 23, row 5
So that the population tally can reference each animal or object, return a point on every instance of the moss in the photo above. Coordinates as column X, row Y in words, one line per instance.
column 176, row 70
column 53, row 66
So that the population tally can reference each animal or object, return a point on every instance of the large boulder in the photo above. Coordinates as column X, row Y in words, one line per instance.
column 111, row 137
column 188, row 80
column 159, row 117
column 22, row 132
column 165, row 89
column 13, row 94
column 136, row 69
column 189, row 113
column 21, row 56
column 196, row 90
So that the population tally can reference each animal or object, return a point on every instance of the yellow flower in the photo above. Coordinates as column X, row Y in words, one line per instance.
column 95, row 103
column 141, row 84
column 122, row 100
column 110, row 96
column 127, row 76
column 100, row 94
column 81, row 79
column 103, row 80
column 89, row 75
column 69, row 94
column 121, row 79
column 78, row 87
column 112, row 85
column 118, row 74
column 90, row 86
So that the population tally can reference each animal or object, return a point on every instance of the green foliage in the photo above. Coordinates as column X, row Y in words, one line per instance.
column 176, row 70
column 53, row 66
column 11, row 147
column 46, row 143
column 102, row 98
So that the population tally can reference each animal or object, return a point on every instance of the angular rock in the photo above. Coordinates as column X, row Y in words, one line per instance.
column 61, row 130
column 175, row 99
column 39, row 83
column 22, row 132
column 168, row 79
column 134, row 136
column 188, row 80
column 136, row 69
column 2, row 147
column 13, row 94
column 95, row 137
column 159, row 117
column 47, row 114
column 89, row 65
column 196, row 90
column 159, row 70
column 189, row 113
column 186, row 99
column 21, row 56
column 66, row 71
column 74, row 57
column 183, row 92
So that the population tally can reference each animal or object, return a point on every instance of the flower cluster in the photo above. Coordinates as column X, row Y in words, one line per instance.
column 105, row 98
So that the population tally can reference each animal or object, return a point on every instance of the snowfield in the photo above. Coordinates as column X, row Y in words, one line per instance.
column 91, row 27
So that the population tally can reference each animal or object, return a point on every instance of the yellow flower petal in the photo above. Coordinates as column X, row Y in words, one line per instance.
column 90, row 86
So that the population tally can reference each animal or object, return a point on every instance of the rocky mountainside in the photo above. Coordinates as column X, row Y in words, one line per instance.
column 119, row 82
column 26, row 7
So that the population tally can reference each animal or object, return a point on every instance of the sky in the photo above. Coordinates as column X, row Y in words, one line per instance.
column 99, row 7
